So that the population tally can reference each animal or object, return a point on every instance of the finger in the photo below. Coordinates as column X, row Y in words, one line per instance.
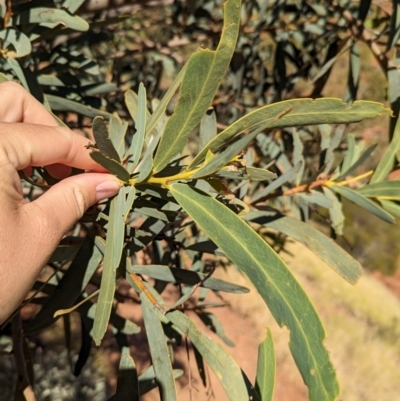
column 25, row 145
column 18, row 105
column 56, row 211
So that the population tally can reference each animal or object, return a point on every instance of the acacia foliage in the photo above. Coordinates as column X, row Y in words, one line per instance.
column 235, row 193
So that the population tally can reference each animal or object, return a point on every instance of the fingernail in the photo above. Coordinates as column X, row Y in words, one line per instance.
column 107, row 189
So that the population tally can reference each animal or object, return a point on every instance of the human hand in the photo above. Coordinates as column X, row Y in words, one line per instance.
column 30, row 232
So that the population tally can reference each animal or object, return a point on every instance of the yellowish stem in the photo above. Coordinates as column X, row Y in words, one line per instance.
column 350, row 180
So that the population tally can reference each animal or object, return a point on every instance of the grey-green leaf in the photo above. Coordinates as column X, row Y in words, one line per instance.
column 44, row 15
column 208, row 128
column 61, row 104
column 18, row 40
column 322, row 246
column 221, row 363
column 363, row 202
column 159, row 350
column 173, row 275
column 111, row 165
column 135, row 150
column 205, row 70
column 384, row 189
column 266, row 368
column 158, row 112
column 108, row 278
column 294, row 112
column 285, row 298
column 224, row 157
column 117, row 131
column 388, row 159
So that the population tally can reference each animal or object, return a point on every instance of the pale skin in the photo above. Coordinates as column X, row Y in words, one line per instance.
column 30, row 231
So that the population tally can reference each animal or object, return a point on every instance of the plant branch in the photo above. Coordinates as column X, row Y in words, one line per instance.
column 20, row 363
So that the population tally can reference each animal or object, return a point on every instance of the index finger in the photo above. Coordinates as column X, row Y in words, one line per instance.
column 25, row 145
column 18, row 105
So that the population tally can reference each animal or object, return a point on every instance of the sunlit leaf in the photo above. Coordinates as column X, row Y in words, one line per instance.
column 322, row 246
column 208, row 128
column 287, row 176
column 42, row 15
column 389, row 157
column 158, row 112
column 335, row 211
column 173, row 275
column 392, row 207
column 135, row 150
column 58, row 103
column 112, row 253
column 221, row 363
column 266, row 368
column 295, row 112
column 204, row 72
column 260, row 174
column 117, row 129
column 365, row 156
column 273, row 280
column 159, row 350
column 224, row 157
column 365, row 203
column 19, row 41
column 384, row 189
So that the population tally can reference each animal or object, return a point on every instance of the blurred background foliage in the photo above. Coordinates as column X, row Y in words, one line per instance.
column 78, row 59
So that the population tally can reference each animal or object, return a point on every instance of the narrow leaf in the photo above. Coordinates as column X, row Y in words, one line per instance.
column 260, row 174
column 391, row 207
column 174, row 275
column 285, row 298
column 322, row 246
column 363, row 202
column 159, row 350
column 349, row 157
column 118, row 130
column 58, row 103
column 365, row 155
column 44, row 15
column 335, row 212
column 208, row 128
column 69, row 288
column 108, row 278
column 299, row 112
column 384, row 189
column 205, row 70
column 127, row 384
column 289, row 175
column 387, row 161
column 111, row 165
column 224, row 157
column 103, row 141
column 159, row 111
column 298, row 155
column 19, row 41
column 135, row 150
column 266, row 368
column 221, row 363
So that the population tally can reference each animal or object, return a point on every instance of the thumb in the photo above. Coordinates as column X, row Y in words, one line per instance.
column 66, row 202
